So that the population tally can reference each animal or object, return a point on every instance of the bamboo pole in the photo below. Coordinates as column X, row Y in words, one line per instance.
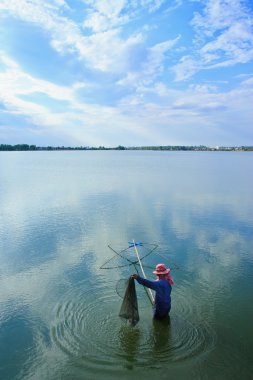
column 148, row 291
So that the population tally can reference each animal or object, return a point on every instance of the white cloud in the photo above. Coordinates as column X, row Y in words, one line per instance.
column 223, row 38
column 64, row 33
column 105, row 49
column 97, row 22
column 81, row 123
column 157, row 53
column 105, row 15
column 186, row 67
column 236, row 42
column 218, row 15
column 14, row 82
column 152, row 5
column 125, row 61
column 110, row 8
column 151, row 66
column 107, row 52
column 149, row 114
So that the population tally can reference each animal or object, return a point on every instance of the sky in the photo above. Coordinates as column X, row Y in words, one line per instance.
column 126, row 72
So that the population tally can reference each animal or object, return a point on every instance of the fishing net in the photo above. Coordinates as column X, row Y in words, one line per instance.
column 133, row 257
column 127, row 256
column 129, row 306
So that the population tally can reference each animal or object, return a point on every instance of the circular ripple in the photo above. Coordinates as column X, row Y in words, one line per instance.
column 188, row 339
column 87, row 328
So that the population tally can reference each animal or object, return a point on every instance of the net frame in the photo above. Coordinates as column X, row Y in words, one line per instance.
column 130, row 262
column 136, row 263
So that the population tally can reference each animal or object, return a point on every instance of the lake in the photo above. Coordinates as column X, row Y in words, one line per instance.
column 59, row 211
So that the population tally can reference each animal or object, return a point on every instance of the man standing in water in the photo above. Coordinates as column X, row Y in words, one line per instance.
column 162, row 287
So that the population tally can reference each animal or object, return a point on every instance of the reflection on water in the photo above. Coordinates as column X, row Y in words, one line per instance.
column 59, row 310
column 161, row 338
column 130, row 340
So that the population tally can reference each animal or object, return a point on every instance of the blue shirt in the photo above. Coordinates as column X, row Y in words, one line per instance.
column 162, row 295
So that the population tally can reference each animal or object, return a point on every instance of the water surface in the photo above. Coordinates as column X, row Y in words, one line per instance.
column 59, row 310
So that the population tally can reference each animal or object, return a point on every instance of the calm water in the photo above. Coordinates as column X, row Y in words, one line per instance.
column 59, row 310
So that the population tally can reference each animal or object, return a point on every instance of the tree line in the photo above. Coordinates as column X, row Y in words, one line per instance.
column 27, row 147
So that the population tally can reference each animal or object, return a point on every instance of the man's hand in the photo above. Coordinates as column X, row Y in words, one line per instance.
column 135, row 276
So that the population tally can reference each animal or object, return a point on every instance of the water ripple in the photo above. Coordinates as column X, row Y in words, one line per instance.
column 87, row 327
column 84, row 323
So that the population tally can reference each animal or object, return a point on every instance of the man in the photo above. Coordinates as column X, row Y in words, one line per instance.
column 162, row 287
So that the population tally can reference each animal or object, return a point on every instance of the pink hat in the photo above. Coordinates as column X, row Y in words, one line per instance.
column 161, row 269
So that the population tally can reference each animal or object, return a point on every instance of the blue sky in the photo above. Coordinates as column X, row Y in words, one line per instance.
column 136, row 72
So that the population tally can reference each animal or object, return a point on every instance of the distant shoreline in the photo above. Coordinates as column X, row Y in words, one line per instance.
column 27, row 147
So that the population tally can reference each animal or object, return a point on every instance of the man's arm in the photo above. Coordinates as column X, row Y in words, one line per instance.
column 143, row 281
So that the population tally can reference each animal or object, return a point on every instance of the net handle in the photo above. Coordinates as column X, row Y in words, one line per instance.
column 149, row 292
